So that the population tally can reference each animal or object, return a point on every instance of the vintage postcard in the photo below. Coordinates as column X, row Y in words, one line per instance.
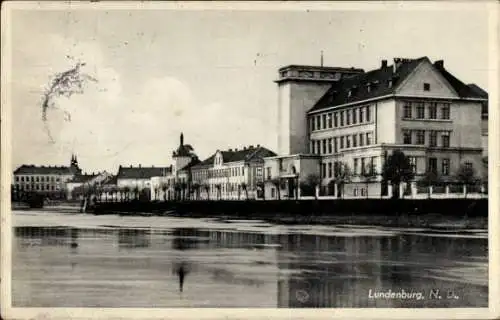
column 249, row 160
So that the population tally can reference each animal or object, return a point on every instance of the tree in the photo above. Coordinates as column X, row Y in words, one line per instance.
column 430, row 179
column 196, row 189
column 308, row 185
column 369, row 175
column 206, row 187
column 466, row 175
column 343, row 176
column 397, row 169
column 164, row 187
column 218, row 187
column 245, row 188
column 126, row 190
column 277, row 183
column 184, row 187
column 261, row 189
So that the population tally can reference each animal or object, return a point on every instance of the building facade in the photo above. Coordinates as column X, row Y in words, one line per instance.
column 48, row 180
column 414, row 106
column 231, row 174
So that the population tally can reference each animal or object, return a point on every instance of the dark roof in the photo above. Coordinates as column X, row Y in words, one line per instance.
column 338, row 94
column 32, row 169
column 481, row 93
column 142, row 172
column 185, row 150
column 83, row 178
column 246, row 154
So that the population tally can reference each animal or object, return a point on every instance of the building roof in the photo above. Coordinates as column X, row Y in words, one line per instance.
column 483, row 94
column 245, row 154
column 82, row 178
column 112, row 180
column 44, row 170
column 142, row 172
column 379, row 79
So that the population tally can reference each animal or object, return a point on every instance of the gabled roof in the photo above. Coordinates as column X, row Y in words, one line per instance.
column 246, row 154
column 142, row 172
column 82, row 178
column 478, row 90
column 379, row 79
column 44, row 170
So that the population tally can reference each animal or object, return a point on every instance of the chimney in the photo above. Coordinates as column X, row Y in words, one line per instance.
column 384, row 64
column 397, row 63
column 251, row 147
column 235, row 149
column 439, row 64
column 244, row 148
column 258, row 146
column 230, row 150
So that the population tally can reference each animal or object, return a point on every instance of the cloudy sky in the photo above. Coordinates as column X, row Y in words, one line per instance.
column 208, row 74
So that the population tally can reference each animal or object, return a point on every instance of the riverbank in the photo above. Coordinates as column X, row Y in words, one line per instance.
column 469, row 213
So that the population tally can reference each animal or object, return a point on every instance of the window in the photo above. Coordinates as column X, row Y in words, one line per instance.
column 272, row 193
column 323, row 126
column 361, row 115
column 363, row 169
column 335, row 148
column 406, row 136
column 42, row 179
column 329, row 120
column 433, row 111
column 354, row 141
column 355, row 166
column 318, row 122
column 17, row 179
column 468, row 165
column 335, row 119
column 407, row 110
column 355, row 192
column 445, row 167
column 347, row 117
column 445, row 111
column 37, row 179
column 354, row 118
column 318, row 147
column 420, row 111
column 413, row 164
column 22, row 179
column 330, row 146
column 342, row 142
column 361, row 139
column 323, row 170
column 372, row 165
column 368, row 114
column 329, row 169
column 420, row 137
column 445, row 139
column 324, row 146
column 268, row 173
column 368, row 138
column 52, row 179
column 433, row 138
column 336, row 169
column 432, row 165
column 427, row 86
column 312, row 124
column 43, row 187
column 341, row 118
column 348, row 141
column 47, row 187
column 311, row 147
column 32, row 179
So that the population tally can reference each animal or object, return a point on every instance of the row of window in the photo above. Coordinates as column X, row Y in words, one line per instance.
column 418, row 137
column 417, row 110
column 39, row 187
column 37, row 179
column 433, row 165
column 357, row 115
column 218, row 173
column 361, row 166
column 333, row 145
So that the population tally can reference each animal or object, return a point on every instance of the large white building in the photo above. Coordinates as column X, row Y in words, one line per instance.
column 231, row 174
column 334, row 118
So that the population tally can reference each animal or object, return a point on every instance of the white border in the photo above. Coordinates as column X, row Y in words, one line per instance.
column 157, row 313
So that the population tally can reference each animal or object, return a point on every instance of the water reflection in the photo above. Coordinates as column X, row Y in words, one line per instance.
column 233, row 268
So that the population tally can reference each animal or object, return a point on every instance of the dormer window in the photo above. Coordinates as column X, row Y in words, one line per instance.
column 427, row 86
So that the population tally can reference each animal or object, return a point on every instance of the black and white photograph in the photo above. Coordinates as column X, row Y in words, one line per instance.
column 270, row 157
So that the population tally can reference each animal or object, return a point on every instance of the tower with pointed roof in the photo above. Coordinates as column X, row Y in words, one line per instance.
column 183, row 155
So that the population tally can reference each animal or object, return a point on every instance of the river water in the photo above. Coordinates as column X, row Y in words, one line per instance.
column 77, row 260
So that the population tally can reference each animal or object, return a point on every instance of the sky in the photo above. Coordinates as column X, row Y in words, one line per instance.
column 208, row 74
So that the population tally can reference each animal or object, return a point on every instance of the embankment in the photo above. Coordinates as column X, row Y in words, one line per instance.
column 305, row 208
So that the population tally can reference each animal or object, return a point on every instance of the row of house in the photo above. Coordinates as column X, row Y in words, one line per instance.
column 329, row 119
